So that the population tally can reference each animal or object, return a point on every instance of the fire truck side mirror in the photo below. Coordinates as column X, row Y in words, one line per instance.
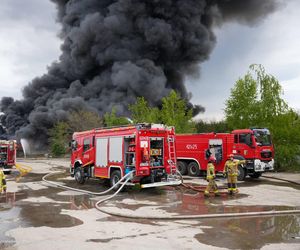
column 73, row 145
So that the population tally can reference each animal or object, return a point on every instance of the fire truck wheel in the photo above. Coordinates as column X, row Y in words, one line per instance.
column 193, row 169
column 114, row 178
column 79, row 175
column 241, row 173
column 182, row 167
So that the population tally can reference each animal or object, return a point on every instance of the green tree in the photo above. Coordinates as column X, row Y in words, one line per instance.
column 111, row 119
column 270, row 102
column 242, row 103
column 256, row 101
column 212, row 126
column 59, row 138
column 82, row 120
column 141, row 112
column 174, row 112
column 61, row 133
column 286, row 136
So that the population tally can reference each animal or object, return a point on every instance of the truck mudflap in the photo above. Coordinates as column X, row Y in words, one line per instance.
column 169, row 182
column 7, row 168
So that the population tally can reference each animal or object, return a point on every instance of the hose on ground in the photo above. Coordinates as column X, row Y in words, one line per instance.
column 199, row 188
column 113, row 195
column 127, row 177
column 185, row 217
column 280, row 179
column 199, row 216
column 164, row 217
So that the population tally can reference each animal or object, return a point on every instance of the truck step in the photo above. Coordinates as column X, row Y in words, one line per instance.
column 162, row 183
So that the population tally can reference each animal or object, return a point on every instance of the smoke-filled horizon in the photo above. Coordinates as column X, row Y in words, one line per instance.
column 115, row 51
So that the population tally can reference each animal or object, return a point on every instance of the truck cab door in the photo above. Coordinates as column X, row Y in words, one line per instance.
column 87, row 151
column 243, row 144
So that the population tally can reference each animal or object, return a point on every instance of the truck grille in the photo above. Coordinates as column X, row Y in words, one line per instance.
column 266, row 154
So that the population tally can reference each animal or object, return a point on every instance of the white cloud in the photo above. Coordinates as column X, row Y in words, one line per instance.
column 274, row 44
column 27, row 46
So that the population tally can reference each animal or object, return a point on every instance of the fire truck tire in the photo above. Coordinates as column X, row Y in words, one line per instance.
column 79, row 175
column 193, row 169
column 255, row 175
column 182, row 167
column 114, row 178
column 241, row 173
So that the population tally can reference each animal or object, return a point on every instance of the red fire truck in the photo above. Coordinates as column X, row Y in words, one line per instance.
column 254, row 145
column 110, row 153
column 7, row 154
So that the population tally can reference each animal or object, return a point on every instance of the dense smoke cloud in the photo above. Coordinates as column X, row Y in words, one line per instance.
column 115, row 51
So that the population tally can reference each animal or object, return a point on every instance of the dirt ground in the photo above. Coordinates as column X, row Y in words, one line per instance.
column 36, row 215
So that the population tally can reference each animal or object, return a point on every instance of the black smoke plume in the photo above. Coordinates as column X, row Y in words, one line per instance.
column 116, row 50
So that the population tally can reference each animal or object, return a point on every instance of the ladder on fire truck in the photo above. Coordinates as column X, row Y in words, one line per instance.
column 171, row 179
column 172, row 153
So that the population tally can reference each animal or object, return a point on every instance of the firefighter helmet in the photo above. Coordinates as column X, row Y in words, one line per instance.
column 230, row 156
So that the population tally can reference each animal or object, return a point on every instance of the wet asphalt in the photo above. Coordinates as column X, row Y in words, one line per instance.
column 17, row 211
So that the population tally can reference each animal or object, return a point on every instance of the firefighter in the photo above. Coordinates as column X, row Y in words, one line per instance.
column 231, row 171
column 2, row 181
column 210, row 177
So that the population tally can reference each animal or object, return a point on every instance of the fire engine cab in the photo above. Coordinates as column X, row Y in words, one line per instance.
column 111, row 153
column 7, row 154
column 253, row 145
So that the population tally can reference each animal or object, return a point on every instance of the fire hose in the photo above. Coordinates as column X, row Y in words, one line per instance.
column 198, row 188
column 201, row 216
column 280, row 179
column 127, row 178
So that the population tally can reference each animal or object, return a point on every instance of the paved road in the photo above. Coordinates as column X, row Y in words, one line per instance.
column 36, row 216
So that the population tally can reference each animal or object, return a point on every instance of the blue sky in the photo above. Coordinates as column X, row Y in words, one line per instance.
column 29, row 43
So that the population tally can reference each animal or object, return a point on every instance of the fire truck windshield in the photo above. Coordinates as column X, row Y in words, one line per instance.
column 262, row 137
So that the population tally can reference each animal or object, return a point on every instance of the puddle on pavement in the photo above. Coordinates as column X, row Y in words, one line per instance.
column 47, row 214
column 119, row 238
column 23, row 177
column 238, row 233
column 244, row 233
column 250, row 233
column 37, row 213
column 16, row 212
column 188, row 202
